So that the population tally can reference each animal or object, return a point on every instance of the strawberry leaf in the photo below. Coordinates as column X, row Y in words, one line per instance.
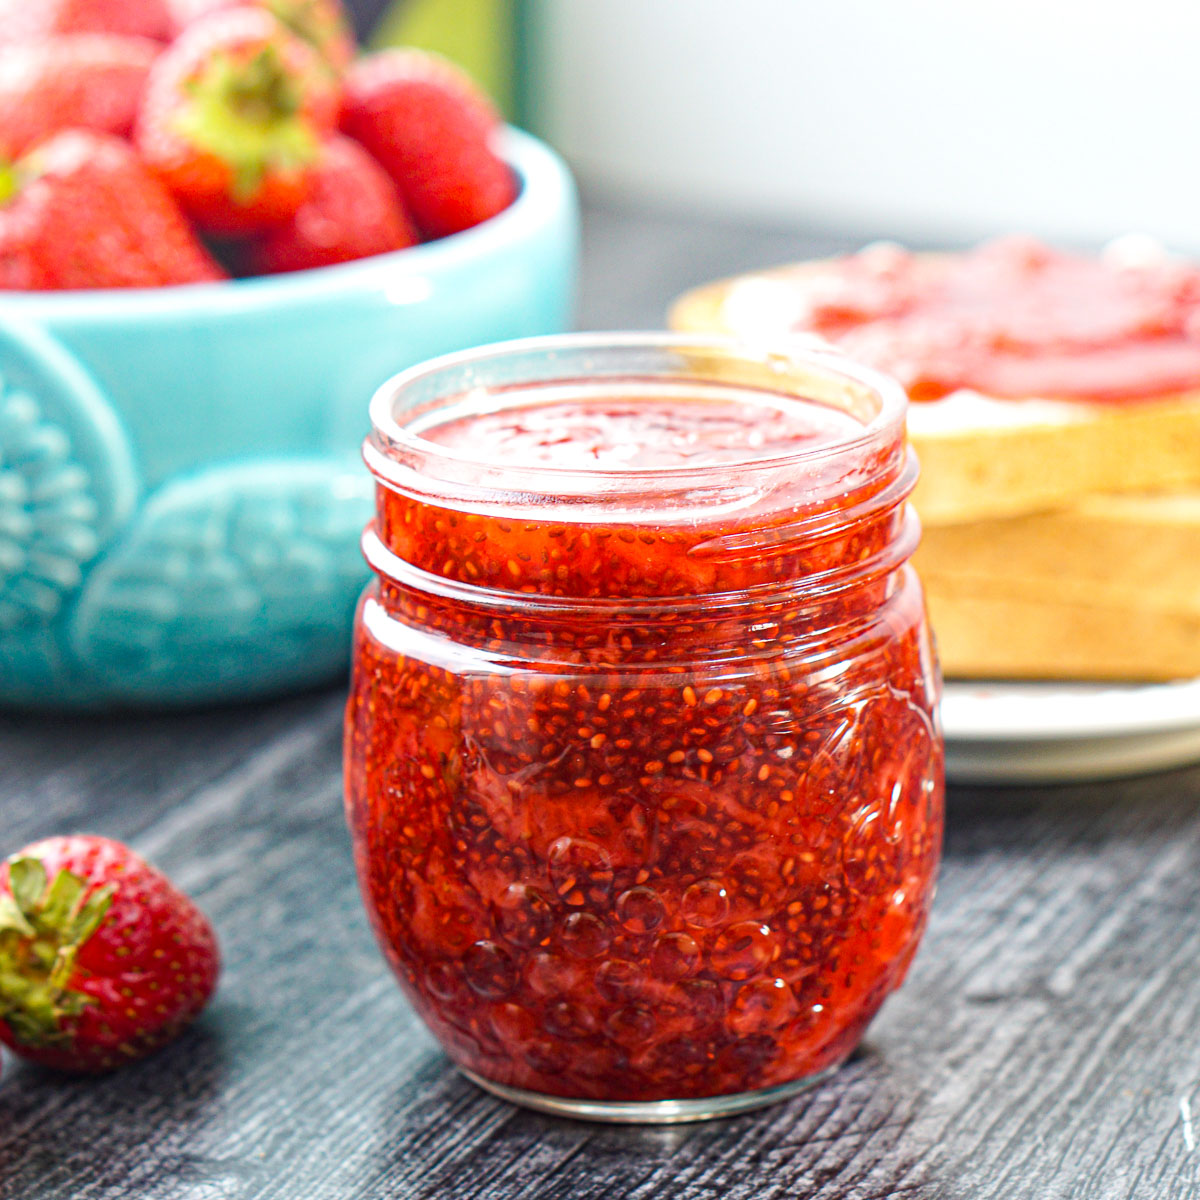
column 41, row 931
column 64, row 897
column 91, row 915
column 35, row 1010
column 10, row 182
column 12, row 919
column 249, row 114
column 27, row 880
column 14, row 989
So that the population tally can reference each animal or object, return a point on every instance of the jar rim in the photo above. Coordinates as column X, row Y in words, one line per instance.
column 784, row 363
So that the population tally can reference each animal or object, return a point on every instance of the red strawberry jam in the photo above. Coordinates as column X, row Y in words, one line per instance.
column 1012, row 318
column 643, row 766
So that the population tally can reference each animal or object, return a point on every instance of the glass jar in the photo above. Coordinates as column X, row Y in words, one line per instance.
column 644, row 770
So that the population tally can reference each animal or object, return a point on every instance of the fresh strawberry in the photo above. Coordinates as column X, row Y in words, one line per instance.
column 233, row 119
column 434, row 132
column 353, row 212
column 102, row 959
column 81, row 211
column 76, row 81
column 24, row 20
column 321, row 23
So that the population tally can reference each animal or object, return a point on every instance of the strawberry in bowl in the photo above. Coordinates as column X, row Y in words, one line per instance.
column 21, row 21
column 82, row 210
column 233, row 119
column 321, row 23
column 74, row 81
column 435, row 133
column 352, row 211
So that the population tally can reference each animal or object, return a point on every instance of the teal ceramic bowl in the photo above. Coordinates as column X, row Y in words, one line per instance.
column 181, row 495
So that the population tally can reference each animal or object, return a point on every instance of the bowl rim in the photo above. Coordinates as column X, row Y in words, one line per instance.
column 547, row 190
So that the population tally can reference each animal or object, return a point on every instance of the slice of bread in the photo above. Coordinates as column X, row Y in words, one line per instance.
column 1106, row 589
column 985, row 635
column 1120, row 550
column 1062, row 538
column 989, row 458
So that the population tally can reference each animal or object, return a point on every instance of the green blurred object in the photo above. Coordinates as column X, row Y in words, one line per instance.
column 479, row 35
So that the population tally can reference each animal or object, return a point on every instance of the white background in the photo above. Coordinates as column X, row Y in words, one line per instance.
column 933, row 120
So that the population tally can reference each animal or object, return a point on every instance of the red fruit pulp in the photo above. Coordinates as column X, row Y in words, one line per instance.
column 642, row 808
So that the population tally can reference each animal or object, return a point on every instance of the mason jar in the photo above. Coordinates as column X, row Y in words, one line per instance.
column 643, row 762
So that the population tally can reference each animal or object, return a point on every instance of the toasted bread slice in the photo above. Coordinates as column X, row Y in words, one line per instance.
column 1135, row 551
column 984, row 635
column 1106, row 589
column 1062, row 538
column 985, row 458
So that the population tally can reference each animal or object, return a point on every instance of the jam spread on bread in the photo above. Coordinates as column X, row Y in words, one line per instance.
column 1014, row 319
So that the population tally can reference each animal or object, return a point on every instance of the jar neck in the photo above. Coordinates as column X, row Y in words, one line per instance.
column 804, row 612
column 704, row 549
column 645, row 484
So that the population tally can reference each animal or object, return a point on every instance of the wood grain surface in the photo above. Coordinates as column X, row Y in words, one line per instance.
column 1045, row 1045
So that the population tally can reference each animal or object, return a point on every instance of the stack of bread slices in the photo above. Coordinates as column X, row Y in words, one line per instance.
column 1061, row 536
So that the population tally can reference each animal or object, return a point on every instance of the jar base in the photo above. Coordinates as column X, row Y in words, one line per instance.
column 649, row 1112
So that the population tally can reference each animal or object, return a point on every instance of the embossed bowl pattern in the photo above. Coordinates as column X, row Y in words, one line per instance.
column 181, row 496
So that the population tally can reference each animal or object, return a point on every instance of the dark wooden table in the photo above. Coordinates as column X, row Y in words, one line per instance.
column 1046, row 1045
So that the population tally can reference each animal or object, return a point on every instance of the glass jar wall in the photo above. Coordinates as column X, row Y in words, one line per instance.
column 643, row 764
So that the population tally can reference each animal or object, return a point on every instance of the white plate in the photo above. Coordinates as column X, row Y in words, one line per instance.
column 1060, row 732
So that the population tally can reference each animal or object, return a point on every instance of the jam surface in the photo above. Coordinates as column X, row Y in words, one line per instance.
column 1012, row 319
column 646, row 432
column 648, row 816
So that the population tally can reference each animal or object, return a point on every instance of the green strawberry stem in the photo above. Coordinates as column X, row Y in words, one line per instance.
column 10, row 183
column 43, row 926
column 247, row 112
column 306, row 19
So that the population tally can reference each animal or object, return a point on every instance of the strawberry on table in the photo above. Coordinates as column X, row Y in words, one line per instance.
column 80, row 81
column 102, row 959
column 82, row 211
column 321, row 23
column 434, row 132
column 23, row 20
column 233, row 118
column 353, row 212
